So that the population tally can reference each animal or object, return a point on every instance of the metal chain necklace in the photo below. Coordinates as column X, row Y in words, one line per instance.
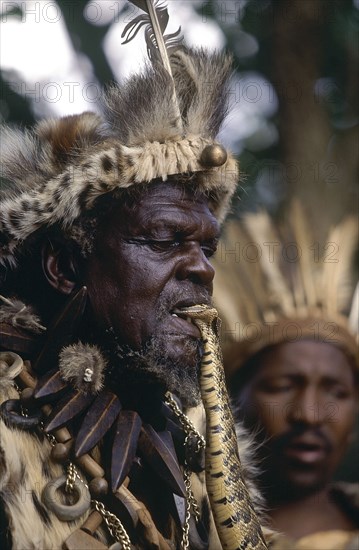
column 114, row 525
column 191, row 503
column 187, row 425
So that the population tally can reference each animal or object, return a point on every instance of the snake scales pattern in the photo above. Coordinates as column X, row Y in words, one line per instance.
column 236, row 521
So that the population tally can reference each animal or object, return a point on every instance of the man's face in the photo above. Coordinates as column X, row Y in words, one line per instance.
column 150, row 260
column 303, row 395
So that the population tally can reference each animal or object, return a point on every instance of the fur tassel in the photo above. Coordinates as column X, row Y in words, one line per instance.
column 16, row 313
column 83, row 365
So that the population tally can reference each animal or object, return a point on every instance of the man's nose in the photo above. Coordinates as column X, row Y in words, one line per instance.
column 307, row 408
column 195, row 266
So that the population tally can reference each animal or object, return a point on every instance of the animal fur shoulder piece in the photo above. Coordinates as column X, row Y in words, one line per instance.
column 25, row 469
column 54, row 173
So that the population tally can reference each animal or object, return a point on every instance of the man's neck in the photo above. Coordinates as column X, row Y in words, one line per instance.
column 309, row 514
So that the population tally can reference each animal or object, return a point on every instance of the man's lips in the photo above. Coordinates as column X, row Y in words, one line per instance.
column 306, row 449
column 180, row 323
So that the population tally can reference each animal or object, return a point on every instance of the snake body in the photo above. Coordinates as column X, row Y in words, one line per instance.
column 236, row 521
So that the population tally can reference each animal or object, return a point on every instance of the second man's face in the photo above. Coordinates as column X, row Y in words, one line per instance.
column 303, row 396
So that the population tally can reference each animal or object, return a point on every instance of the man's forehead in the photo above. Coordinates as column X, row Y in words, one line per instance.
column 161, row 205
column 172, row 192
column 175, row 205
column 310, row 358
column 165, row 207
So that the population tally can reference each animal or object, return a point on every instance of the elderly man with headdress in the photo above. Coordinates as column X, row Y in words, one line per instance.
column 290, row 322
column 107, row 225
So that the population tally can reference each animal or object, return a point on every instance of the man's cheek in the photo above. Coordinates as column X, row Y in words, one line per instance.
column 269, row 412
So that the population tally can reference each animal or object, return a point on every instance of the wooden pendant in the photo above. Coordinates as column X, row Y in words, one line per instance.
column 62, row 331
column 158, row 496
column 179, row 437
column 61, row 451
column 195, row 460
column 124, row 511
column 180, row 510
column 80, row 539
column 167, row 439
column 175, row 504
column 97, row 422
column 50, row 386
column 168, row 413
column 19, row 340
column 161, row 459
column 128, row 427
column 67, row 409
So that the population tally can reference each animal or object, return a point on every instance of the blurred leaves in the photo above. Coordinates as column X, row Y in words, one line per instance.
column 87, row 38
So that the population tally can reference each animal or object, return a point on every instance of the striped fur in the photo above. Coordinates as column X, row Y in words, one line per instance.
column 25, row 469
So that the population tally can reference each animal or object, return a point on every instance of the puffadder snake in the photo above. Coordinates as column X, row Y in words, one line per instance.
column 236, row 521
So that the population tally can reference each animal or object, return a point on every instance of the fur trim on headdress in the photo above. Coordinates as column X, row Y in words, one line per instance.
column 265, row 296
column 83, row 365
column 55, row 173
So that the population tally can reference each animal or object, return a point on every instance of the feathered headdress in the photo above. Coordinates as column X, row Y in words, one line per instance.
column 274, row 283
column 161, row 122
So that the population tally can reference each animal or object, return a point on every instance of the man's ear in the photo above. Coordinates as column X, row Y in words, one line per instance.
column 59, row 267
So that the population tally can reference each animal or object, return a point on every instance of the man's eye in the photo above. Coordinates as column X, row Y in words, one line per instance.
column 339, row 392
column 277, row 388
column 208, row 251
column 163, row 245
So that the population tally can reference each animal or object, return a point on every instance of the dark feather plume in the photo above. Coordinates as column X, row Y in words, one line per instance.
column 155, row 19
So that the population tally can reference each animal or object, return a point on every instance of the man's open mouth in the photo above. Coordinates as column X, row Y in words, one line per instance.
column 306, row 451
column 181, row 323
